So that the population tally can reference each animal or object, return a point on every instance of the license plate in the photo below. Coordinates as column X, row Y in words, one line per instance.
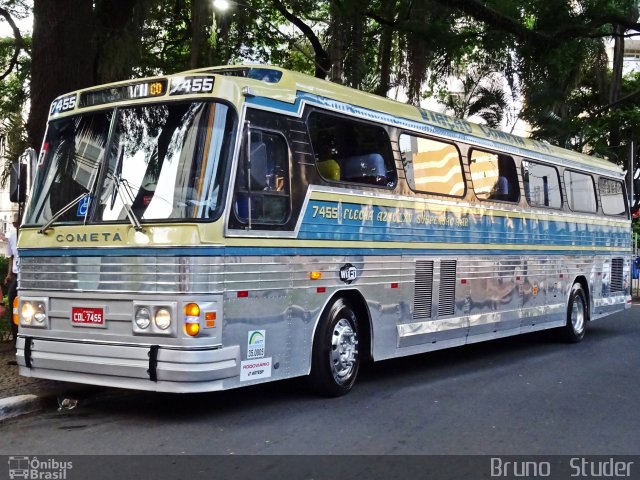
column 87, row 317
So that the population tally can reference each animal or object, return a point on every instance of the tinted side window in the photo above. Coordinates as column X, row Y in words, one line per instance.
column 432, row 166
column 351, row 151
column 541, row 185
column 268, row 182
column 494, row 176
column 581, row 194
column 612, row 197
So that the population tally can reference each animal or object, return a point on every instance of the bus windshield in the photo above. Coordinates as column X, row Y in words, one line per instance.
column 157, row 162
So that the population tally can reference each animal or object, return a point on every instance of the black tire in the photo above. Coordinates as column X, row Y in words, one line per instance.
column 335, row 359
column 577, row 315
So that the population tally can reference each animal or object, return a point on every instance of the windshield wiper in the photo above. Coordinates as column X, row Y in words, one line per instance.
column 117, row 182
column 62, row 211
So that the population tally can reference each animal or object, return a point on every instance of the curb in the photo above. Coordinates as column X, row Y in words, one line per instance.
column 19, row 405
column 16, row 406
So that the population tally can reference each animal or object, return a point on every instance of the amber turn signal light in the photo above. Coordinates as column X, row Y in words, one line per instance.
column 192, row 329
column 192, row 310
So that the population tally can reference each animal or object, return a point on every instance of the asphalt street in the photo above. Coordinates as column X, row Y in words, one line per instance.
column 526, row 395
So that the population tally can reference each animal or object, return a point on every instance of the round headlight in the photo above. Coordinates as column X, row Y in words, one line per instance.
column 143, row 318
column 162, row 318
column 26, row 313
column 39, row 314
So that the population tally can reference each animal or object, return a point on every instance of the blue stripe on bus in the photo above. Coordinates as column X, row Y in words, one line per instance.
column 354, row 222
column 297, row 251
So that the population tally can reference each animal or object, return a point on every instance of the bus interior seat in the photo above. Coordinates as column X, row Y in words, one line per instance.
column 368, row 168
column 502, row 190
column 329, row 169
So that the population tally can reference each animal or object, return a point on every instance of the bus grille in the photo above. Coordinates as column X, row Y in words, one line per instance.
column 423, row 289
column 447, row 300
column 616, row 275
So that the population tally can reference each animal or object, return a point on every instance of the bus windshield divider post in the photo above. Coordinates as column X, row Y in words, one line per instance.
column 248, row 172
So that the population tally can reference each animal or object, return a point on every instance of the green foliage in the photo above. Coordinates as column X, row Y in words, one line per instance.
column 14, row 90
column 4, row 268
column 549, row 51
column 483, row 95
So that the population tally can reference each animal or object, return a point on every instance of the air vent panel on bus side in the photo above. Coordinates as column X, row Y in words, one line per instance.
column 447, row 298
column 617, row 265
column 423, row 290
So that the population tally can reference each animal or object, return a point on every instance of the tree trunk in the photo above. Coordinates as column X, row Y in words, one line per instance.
column 618, row 61
column 201, row 19
column 117, row 39
column 386, row 44
column 62, row 57
column 614, row 91
column 336, row 44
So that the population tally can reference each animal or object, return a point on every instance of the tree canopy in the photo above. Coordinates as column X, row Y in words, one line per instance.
column 550, row 53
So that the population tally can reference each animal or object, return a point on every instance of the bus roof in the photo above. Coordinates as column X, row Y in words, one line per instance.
column 285, row 87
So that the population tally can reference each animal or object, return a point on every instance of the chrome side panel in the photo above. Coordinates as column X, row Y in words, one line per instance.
column 493, row 296
column 128, row 274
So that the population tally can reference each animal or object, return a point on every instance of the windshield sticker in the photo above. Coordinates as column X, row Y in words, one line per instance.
column 83, row 206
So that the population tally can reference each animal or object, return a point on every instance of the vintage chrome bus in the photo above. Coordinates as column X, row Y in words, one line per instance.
column 235, row 225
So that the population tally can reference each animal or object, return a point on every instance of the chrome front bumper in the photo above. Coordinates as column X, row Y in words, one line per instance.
column 142, row 367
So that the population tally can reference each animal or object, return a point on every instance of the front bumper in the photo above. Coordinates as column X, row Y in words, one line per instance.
column 142, row 367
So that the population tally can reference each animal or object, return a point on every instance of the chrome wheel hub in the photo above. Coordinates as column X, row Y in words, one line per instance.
column 344, row 353
column 577, row 315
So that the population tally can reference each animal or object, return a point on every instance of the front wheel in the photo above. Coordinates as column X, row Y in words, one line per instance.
column 577, row 315
column 335, row 359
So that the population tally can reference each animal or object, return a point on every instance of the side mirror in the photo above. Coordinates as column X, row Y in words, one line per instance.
column 18, row 182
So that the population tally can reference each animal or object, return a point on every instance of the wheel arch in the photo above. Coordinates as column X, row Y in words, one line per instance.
column 355, row 298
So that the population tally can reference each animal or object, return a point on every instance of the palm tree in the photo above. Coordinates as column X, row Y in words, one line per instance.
column 482, row 95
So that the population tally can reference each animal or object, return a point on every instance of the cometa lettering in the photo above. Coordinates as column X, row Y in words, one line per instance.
column 88, row 237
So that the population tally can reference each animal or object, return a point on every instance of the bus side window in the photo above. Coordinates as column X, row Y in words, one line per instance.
column 352, row 151
column 494, row 176
column 432, row 166
column 541, row 185
column 581, row 193
column 612, row 197
column 269, row 185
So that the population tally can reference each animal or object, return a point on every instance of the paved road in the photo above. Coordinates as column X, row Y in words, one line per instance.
column 526, row 395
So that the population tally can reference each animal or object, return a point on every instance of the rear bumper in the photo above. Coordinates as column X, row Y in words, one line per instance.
column 139, row 367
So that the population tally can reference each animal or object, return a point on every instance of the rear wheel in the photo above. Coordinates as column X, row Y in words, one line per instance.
column 577, row 315
column 335, row 358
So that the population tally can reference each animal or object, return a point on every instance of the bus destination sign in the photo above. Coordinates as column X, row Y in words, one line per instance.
column 133, row 91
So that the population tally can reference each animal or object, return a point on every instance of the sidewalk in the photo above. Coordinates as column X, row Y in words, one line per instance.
column 20, row 395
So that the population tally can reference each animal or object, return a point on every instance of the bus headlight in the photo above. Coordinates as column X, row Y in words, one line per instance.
column 33, row 313
column 26, row 314
column 142, row 318
column 162, row 318
column 150, row 318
